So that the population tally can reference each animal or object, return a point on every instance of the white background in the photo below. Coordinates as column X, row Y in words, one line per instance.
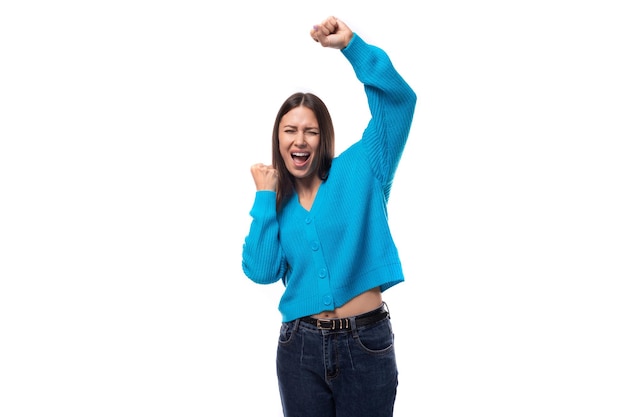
column 127, row 131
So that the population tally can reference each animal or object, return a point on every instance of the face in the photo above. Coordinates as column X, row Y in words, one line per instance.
column 299, row 140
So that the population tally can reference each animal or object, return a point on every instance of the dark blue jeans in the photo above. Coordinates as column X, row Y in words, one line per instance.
column 337, row 373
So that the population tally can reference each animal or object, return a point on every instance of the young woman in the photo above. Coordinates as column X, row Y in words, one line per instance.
column 319, row 224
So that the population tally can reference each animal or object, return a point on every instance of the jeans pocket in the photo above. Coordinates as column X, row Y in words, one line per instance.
column 286, row 332
column 377, row 338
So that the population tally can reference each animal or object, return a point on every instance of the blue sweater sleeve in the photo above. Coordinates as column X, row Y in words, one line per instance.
column 263, row 260
column 391, row 102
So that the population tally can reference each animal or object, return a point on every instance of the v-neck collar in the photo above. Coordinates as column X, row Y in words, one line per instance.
column 317, row 197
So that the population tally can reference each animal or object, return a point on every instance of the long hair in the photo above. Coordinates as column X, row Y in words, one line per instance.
column 286, row 181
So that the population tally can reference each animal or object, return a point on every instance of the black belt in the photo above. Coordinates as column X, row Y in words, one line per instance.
column 345, row 323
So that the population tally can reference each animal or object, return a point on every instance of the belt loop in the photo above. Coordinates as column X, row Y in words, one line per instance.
column 386, row 308
column 296, row 323
column 353, row 326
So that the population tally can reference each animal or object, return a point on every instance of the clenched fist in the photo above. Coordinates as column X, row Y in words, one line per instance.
column 332, row 33
column 265, row 177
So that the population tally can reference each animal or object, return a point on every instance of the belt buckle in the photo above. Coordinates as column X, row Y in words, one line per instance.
column 325, row 324
column 333, row 324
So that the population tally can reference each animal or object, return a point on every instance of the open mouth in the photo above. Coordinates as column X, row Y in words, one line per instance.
column 300, row 158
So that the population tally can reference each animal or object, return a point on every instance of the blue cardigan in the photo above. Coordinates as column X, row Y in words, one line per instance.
column 342, row 247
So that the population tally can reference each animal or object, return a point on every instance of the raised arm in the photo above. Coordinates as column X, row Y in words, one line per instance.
column 391, row 100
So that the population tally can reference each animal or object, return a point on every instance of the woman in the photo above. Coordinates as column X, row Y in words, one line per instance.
column 319, row 224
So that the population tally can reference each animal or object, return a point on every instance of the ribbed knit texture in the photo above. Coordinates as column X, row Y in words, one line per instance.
column 343, row 245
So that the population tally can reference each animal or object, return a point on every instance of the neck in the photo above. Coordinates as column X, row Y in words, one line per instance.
column 306, row 189
column 307, row 186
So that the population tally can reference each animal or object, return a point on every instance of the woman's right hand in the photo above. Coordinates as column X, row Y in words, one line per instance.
column 265, row 177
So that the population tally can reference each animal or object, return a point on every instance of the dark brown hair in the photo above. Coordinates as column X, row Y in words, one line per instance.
column 286, row 181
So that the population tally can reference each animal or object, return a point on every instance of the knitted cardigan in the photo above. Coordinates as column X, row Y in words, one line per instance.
column 343, row 246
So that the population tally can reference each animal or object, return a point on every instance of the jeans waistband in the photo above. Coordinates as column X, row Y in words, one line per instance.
column 345, row 323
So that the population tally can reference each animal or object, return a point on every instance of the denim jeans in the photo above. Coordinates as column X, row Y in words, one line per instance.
column 337, row 373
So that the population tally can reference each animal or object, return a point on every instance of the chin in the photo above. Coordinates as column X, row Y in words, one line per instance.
column 300, row 175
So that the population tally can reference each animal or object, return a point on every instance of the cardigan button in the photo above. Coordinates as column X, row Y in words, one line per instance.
column 327, row 300
column 322, row 273
column 315, row 245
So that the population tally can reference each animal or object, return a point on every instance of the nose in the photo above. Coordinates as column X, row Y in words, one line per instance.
column 299, row 140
